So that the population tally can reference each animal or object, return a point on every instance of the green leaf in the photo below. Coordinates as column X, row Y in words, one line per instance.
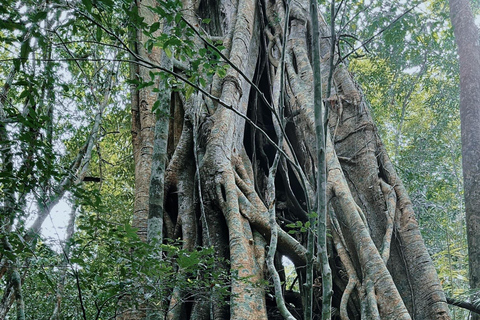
column 155, row 106
column 76, row 261
column 186, row 261
column 189, row 92
column 178, row 17
column 10, row 25
column 88, row 5
column 149, row 45
column 221, row 73
column 154, row 27
column 312, row 215
column 168, row 52
column 39, row 16
column 25, row 49
column 145, row 84
column 106, row 4
column 98, row 34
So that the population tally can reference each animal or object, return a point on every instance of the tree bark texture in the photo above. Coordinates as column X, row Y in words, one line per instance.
column 467, row 39
column 380, row 266
column 143, row 120
column 144, row 131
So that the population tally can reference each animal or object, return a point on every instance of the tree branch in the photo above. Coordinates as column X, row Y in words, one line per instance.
column 463, row 304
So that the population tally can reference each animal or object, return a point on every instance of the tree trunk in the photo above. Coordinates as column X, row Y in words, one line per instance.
column 143, row 120
column 380, row 266
column 467, row 39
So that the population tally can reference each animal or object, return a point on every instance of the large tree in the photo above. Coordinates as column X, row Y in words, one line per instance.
column 222, row 142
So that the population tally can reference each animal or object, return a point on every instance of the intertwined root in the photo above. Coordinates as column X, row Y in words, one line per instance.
column 229, row 168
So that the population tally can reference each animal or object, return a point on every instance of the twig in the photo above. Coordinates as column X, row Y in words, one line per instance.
column 363, row 44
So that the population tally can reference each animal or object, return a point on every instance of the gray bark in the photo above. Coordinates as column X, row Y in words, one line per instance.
column 467, row 39
column 235, row 128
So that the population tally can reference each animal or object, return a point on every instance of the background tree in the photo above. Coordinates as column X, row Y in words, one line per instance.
column 467, row 39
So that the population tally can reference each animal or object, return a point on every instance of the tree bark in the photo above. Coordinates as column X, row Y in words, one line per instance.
column 233, row 127
column 467, row 39
column 143, row 119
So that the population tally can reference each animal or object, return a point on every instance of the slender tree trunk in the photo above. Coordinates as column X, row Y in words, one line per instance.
column 143, row 120
column 467, row 39
column 57, row 311
column 149, row 137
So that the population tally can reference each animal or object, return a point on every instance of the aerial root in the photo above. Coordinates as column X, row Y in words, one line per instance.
column 366, row 290
column 353, row 281
column 372, row 304
column 377, row 291
column 391, row 201
column 272, row 41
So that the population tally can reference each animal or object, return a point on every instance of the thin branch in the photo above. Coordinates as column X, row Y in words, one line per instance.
column 332, row 53
column 352, row 18
column 78, row 65
column 463, row 304
column 80, row 296
column 341, row 59
column 338, row 10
